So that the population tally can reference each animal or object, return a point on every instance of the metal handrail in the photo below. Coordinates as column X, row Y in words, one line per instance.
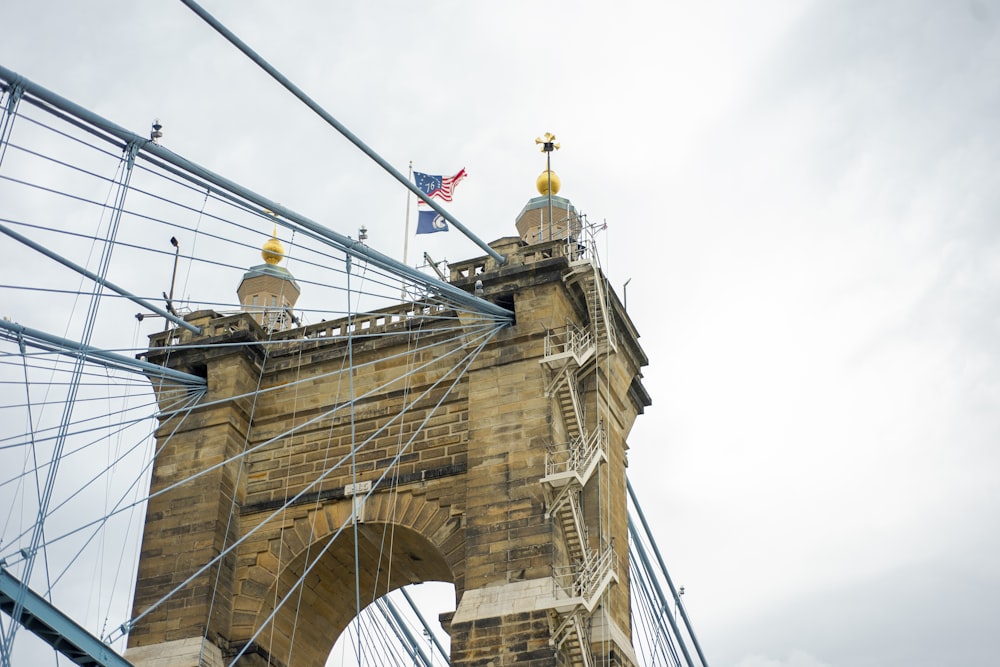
column 576, row 455
column 583, row 580
column 569, row 338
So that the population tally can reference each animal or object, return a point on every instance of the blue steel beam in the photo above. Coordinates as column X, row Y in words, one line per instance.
column 36, row 94
column 19, row 333
column 55, row 628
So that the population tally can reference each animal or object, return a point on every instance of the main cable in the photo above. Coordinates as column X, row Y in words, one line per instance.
column 337, row 125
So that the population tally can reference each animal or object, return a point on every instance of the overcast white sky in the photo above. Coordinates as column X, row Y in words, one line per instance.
column 804, row 196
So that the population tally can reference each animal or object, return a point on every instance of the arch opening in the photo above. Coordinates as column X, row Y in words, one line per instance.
column 370, row 640
column 322, row 589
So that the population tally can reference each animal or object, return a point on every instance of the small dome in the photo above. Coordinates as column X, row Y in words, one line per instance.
column 543, row 182
column 273, row 252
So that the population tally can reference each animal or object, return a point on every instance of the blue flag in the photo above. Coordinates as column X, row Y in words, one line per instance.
column 429, row 222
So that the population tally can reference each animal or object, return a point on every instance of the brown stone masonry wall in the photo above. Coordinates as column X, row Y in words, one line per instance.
column 464, row 502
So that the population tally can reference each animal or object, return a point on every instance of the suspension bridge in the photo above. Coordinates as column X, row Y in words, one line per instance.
column 229, row 476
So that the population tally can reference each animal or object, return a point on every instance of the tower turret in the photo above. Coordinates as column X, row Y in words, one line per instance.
column 269, row 291
column 548, row 217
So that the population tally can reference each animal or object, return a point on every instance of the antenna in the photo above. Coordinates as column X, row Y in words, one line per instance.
column 156, row 133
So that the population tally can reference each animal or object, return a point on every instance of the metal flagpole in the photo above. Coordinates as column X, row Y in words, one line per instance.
column 406, row 229
column 406, row 238
column 548, row 172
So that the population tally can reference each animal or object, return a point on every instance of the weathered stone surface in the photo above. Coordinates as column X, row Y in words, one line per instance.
column 190, row 652
column 456, row 475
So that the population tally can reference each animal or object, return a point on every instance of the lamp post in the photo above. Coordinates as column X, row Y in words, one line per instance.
column 173, row 279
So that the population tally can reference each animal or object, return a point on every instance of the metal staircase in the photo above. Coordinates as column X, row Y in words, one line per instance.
column 567, row 395
column 578, row 589
column 571, row 635
column 570, row 355
column 591, row 285
column 567, row 471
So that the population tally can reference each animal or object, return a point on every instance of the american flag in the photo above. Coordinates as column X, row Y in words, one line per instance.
column 438, row 186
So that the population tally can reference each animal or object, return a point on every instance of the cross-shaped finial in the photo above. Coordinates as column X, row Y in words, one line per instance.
column 547, row 142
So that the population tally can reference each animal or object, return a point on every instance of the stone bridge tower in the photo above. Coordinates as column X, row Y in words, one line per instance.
column 510, row 482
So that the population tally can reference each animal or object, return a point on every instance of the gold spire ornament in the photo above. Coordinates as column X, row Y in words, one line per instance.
column 547, row 182
column 272, row 251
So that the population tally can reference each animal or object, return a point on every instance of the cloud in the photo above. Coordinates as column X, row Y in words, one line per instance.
column 938, row 610
column 793, row 659
column 808, row 211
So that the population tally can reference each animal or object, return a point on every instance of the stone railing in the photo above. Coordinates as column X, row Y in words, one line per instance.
column 212, row 324
column 391, row 319
column 518, row 254
column 400, row 316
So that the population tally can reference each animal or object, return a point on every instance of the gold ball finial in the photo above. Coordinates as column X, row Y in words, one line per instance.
column 542, row 183
column 272, row 251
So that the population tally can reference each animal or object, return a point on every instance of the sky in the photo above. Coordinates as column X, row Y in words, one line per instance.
column 802, row 197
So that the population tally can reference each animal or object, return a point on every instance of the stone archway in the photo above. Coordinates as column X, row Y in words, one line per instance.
column 314, row 585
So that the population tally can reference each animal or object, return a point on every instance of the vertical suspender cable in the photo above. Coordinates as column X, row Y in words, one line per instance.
column 44, row 98
column 354, row 465
column 14, row 93
column 43, row 503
